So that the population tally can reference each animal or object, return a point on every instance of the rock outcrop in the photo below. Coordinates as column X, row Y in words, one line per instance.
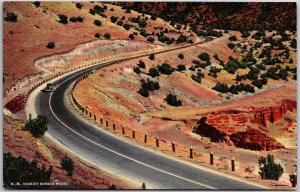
column 246, row 129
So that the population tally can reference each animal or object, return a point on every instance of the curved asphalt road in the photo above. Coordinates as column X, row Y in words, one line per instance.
column 123, row 158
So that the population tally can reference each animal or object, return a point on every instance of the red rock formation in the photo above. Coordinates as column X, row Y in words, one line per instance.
column 16, row 104
column 274, row 113
column 236, row 127
column 254, row 140
column 207, row 130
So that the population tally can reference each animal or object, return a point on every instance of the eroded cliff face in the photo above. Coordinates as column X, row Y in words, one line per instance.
column 254, row 140
column 273, row 113
column 247, row 129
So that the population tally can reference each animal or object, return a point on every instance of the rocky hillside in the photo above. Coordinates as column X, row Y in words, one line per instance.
column 223, row 15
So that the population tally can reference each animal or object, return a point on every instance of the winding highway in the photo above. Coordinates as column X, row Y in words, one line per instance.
column 122, row 158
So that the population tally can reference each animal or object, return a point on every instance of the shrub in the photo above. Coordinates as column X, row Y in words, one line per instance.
column 232, row 38
column 67, row 164
column 142, row 23
column 233, row 89
column 97, row 22
column 216, row 57
column 196, row 78
column 221, row 87
column 150, row 39
column 257, row 83
column 231, row 45
column 98, row 9
column 137, row 70
column 37, row 3
column 181, row 56
column 144, row 92
column 249, row 88
column 293, row 43
column 181, row 67
column 79, row 19
column 63, row 19
column 152, row 56
column 107, row 35
column 112, row 187
column 141, row 64
column 73, row 19
column 165, row 69
column 150, row 85
column 92, row 11
column 79, row 5
column 153, row 17
column 245, row 33
column 204, row 57
column 11, row 17
column 127, row 26
column 50, row 45
column 172, row 100
column 112, row 9
column 37, row 127
column 153, row 72
column 131, row 36
column 97, row 35
column 271, row 170
column 120, row 23
column 143, row 186
column 18, row 169
column 113, row 19
column 181, row 38
column 127, row 11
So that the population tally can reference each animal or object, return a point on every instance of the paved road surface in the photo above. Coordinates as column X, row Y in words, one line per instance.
column 121, row 157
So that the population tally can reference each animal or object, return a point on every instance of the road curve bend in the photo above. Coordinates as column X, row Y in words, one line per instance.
column 120, row 157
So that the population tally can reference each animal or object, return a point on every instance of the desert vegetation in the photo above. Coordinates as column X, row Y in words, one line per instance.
column 230, row 89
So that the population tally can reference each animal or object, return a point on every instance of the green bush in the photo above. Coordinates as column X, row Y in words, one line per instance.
column 113, row 19
column 67, row 164
column 92, row 11
column 63, row 19
column 231, row 45
column 18, row 169
column 37, row 3
column 127, row 26
column 79, row 5
column 97, row 35
column 181, row 56
column 150, row 39
column 131, row 36
column 137, row 70
column 204, row 57
column 196, row 78
column 181, row 67
column 112, row 187
column 271, row 170
column 144, row 92
column 293, row 43
column 141, row 64
column 221, row 87
column 50, row 45
column 37, row 127
column 172, row 100
column 232, row 38
column 97, row 22
column 73, row 19
column 165, row 69
column 150, row 85
column 142, row 23
column 107, row 35
column 153, row 72
column 11, row 17
column 152, row 56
